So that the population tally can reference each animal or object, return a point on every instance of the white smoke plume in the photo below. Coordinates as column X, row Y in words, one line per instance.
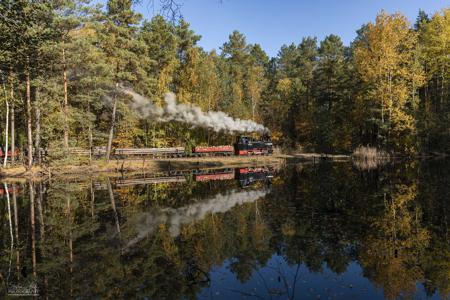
column 190, row 114
column 174, row 218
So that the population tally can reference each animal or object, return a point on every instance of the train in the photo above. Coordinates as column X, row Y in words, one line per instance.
column 244, row 146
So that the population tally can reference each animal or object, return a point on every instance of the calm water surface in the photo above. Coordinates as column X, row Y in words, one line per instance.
column 324, row 231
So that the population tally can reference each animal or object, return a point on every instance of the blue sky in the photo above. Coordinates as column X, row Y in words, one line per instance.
column 272, row 23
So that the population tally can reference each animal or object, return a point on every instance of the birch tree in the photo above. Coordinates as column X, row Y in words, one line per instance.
column 384, row 58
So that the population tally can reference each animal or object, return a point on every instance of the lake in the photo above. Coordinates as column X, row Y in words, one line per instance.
column 312, row 231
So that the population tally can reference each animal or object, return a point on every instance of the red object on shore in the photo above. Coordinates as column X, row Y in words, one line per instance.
column 207, row 177
column 253, row 170
column 213, row 149
column 10, row 190
column 252, row 152
column 16, row 153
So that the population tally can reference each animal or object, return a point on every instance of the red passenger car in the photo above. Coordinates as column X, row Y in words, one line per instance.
column 214, row 150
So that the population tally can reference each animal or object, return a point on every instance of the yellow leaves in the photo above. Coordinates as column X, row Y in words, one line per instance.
column 276, row 135
column 168, row 243
column 385, row 49
column 403, row 131
column 288, row 229
column 387, row 60
column 284, row 86
column 85, row 31
column 199, row 80
column 127, row 131
column 391, row 251
column 436, row 43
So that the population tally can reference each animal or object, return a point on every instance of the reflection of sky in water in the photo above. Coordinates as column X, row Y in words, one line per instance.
column 328, row 217
column 267, row 283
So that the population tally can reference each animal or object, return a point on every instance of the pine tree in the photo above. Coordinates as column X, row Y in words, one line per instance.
column 302, row 107
column 91, row 80
column 161, row 50
column 256, row 80
column 236, row 53
column 331, row 93
column 283, row 84
column 69, row 16
column 119, row 42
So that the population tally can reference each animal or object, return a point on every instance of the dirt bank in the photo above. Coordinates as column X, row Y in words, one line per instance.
column 147, row 165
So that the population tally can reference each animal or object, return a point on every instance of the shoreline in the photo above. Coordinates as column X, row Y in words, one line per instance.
column 101, row 167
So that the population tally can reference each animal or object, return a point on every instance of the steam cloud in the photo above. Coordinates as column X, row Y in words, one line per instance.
column 175, row 218
column 190, row 114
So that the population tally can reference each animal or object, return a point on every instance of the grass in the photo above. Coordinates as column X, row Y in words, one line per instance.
column 367, row 158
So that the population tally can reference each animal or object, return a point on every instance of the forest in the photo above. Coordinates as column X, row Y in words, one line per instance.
column 62, row 63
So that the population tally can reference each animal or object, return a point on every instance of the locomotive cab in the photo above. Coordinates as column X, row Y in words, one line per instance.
column 248, row 146
column 251, row 175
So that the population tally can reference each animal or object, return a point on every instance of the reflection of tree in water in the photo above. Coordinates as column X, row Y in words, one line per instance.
column 436, row 265
column 390, row 253
column 327, row 214
column 336, row 215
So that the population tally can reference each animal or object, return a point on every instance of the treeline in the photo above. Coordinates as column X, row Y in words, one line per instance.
column 62, row 61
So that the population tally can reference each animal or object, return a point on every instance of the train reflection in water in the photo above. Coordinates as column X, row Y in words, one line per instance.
column 174, row 218
column 246, row 176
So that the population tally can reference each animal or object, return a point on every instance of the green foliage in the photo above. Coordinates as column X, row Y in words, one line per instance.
column 389, row 89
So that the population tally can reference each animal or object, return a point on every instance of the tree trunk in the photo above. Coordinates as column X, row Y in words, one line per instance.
column 16, row 228
column 92, row 200
column 442, row 86
column 37, row 132
column 6, row 127
column 13, row 121
column 65, row 103
column 70, row 242
column 90, row 135
column 40, row 199
column 6, row 134
column 113, row 122
column 253, row 109
column 29, row 128
column 113, row 205
column 90, row 143
column 9, row 217
column 16, row 217
column 33, row 228
column 7, row 112
column 13, row 134
column 69, row 220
